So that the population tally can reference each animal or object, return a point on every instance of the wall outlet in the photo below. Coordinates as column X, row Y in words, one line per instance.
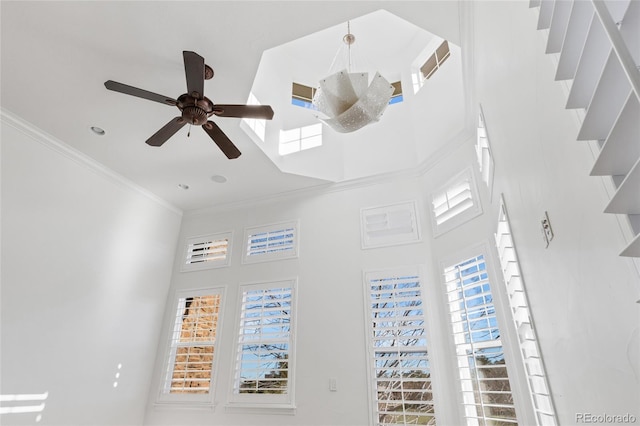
column 333, row 384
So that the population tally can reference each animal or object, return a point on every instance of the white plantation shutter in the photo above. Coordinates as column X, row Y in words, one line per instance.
column 207, row 251
column 264, row 356
column 455, row 202
column 529, row 349
column 270, row 242
column 400, row 369
column 189, row 368
column 484, row 380
column 483, row 152
column 389, row 225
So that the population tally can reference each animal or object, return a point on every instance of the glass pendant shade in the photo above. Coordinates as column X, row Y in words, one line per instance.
column 350, row 102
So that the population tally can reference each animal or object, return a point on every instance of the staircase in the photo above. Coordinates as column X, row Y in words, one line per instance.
column 597, row 44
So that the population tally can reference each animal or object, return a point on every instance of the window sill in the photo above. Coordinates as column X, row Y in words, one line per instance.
column 247, row 408
column 190, row 405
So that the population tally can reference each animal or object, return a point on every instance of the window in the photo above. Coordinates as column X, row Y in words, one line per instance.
column 529, row 350
column 207, row 251
column 396, row 96
column 299, row 139
column 189, row 368
column 455, row 203
column 484, row 380
column 389, row 225
column 399, row 358
column 257, row 125
column 483, row 152
column 264, row 356
column 302, row 95
column 431, row 65
column 271, row 242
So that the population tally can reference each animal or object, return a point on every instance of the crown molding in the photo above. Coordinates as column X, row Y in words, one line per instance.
column 61, row 148
column 418, row 171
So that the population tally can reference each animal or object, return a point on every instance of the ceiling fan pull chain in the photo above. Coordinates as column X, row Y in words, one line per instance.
column 189, row 132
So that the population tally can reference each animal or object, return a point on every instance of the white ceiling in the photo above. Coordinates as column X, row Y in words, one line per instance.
column 56, row 56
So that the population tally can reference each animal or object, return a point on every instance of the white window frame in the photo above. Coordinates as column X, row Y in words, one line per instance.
column 484, row 152
column 265, row 403
column 275, row 255
column 531, row 356
column 307, row 137
column 462, row 217
column 388, row 237
column 186, row 399
column 505, row 338
column 391, row 273
column 219, row 236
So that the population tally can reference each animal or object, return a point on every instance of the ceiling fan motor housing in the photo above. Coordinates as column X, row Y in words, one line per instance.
column 195, row 111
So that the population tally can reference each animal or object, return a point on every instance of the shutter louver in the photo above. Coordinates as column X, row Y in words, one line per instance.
column 263, row 362
column 483, row 153
column 400, row 360
column 485, row 386
column 271, row 242
column 192, row 344
column 455, row 203
column 529, row 350
column 209, row 251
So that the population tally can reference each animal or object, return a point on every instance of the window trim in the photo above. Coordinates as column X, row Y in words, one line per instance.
column 257, row 403
column 509, row 340
column 504, row 225
column 268, row 257
column 491, row 163
column 464, row 216
column 186, row 267
column 370, row 350
column 191, row 400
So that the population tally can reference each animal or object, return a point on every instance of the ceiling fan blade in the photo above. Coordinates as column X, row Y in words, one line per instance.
column 134, row 91
column 244, row 111
column 169, row 129
column 223, row 142
column 194, row 70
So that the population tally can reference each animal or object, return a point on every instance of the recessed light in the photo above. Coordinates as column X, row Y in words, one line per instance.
column 183, row 186
column 98, row 131
column 218, row 178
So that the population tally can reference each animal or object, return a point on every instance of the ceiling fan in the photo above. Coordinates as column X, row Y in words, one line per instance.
column 195, row 107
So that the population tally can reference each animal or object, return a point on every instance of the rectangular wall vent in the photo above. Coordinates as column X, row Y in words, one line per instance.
column 389, row 225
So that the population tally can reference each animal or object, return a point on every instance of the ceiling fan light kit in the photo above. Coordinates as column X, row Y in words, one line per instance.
column 194, row 107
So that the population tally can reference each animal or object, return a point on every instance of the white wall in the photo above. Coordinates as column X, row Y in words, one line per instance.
column 582, row 294
column 86, row 263
column 330, row 314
